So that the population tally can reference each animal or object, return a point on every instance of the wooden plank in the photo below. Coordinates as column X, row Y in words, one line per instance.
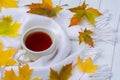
column 111, row 6
column 116, row 63
column 113, row 60
column 116, row 56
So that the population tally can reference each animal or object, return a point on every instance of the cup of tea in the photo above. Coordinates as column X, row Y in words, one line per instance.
column 38, row 42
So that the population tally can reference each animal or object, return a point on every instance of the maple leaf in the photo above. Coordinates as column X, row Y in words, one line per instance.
column 8, row 27
column 85, row 37
column 36, row 78
column 87, row 66
column 45, row 8
column 6, row 56
column 82, row 11
column 64, row 74
column 8, row 4
column 10, row 75
column 24, row 74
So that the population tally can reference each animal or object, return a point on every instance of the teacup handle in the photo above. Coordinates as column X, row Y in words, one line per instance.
column 22, row 57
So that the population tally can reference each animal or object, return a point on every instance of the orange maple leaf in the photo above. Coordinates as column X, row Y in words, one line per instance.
column 45, row 8
column 85, row 37
column 83, row 12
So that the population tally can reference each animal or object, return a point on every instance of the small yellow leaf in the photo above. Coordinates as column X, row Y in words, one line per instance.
column 53, row 75
column 65, row 73
column 8, row 27
column 25, row 73
column 8, row 4
column 85, row 37
column 36, row 78
column 84, row 12
column 45, row 8
column 6, row 56
column 9, row 75
column 87, row 66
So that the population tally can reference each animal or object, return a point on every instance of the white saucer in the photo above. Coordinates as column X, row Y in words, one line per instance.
column 63, row 42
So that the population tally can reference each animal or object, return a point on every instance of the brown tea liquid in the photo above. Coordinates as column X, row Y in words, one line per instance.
column 38, row 41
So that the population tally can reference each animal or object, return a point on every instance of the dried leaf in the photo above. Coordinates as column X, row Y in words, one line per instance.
column 24, row 74
column 53, row 75
column 85, row 37
column 81, row 12
column 45, row 8
column 9, row 75
column 6, row 56
column 8, row 4
column 87, row 66
column 36, row 78
column 8, row 27
column 64, row 74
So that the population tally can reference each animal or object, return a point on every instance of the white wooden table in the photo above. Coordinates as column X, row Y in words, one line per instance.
column 111, row 51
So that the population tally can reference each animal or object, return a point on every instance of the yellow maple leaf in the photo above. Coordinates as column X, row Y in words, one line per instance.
column 8, row 27
column 6, row 56
column 64, row 74
column 83, row 12
column 8, row 4
column 36, row 78
column 45, row 8
column 87, row 66
column 24, row 74
column 9, row 75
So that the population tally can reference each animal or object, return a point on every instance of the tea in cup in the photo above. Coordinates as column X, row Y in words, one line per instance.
column 38, row 42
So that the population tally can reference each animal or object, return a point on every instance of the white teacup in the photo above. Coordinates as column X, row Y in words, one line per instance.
column 32, row 53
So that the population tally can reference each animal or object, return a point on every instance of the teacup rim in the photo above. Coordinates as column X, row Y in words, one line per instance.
column 46, row 51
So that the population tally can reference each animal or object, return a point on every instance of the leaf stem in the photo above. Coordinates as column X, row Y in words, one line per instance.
column 81, row 76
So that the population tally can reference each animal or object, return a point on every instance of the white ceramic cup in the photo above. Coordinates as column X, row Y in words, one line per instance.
column 31, row 55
